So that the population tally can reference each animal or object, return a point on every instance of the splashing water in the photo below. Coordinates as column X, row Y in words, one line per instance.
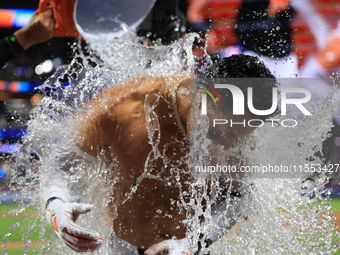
column 284, row 215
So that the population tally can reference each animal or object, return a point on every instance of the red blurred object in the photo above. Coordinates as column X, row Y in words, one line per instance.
column 63, row 11
column 6, row 18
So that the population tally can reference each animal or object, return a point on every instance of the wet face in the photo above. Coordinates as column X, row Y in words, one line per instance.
column 227, row 134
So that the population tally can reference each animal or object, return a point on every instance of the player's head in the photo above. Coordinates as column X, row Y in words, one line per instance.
column 233, row 70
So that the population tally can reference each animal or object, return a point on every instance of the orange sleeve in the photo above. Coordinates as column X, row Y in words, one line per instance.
column 279, row 1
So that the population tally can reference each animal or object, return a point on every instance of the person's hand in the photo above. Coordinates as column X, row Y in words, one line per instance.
column 39, row 29
column 275, row 8
column 329, row 56
column 62, row 217
column 169, row 247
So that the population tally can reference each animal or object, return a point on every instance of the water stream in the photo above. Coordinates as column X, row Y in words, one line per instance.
column 285, row 215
